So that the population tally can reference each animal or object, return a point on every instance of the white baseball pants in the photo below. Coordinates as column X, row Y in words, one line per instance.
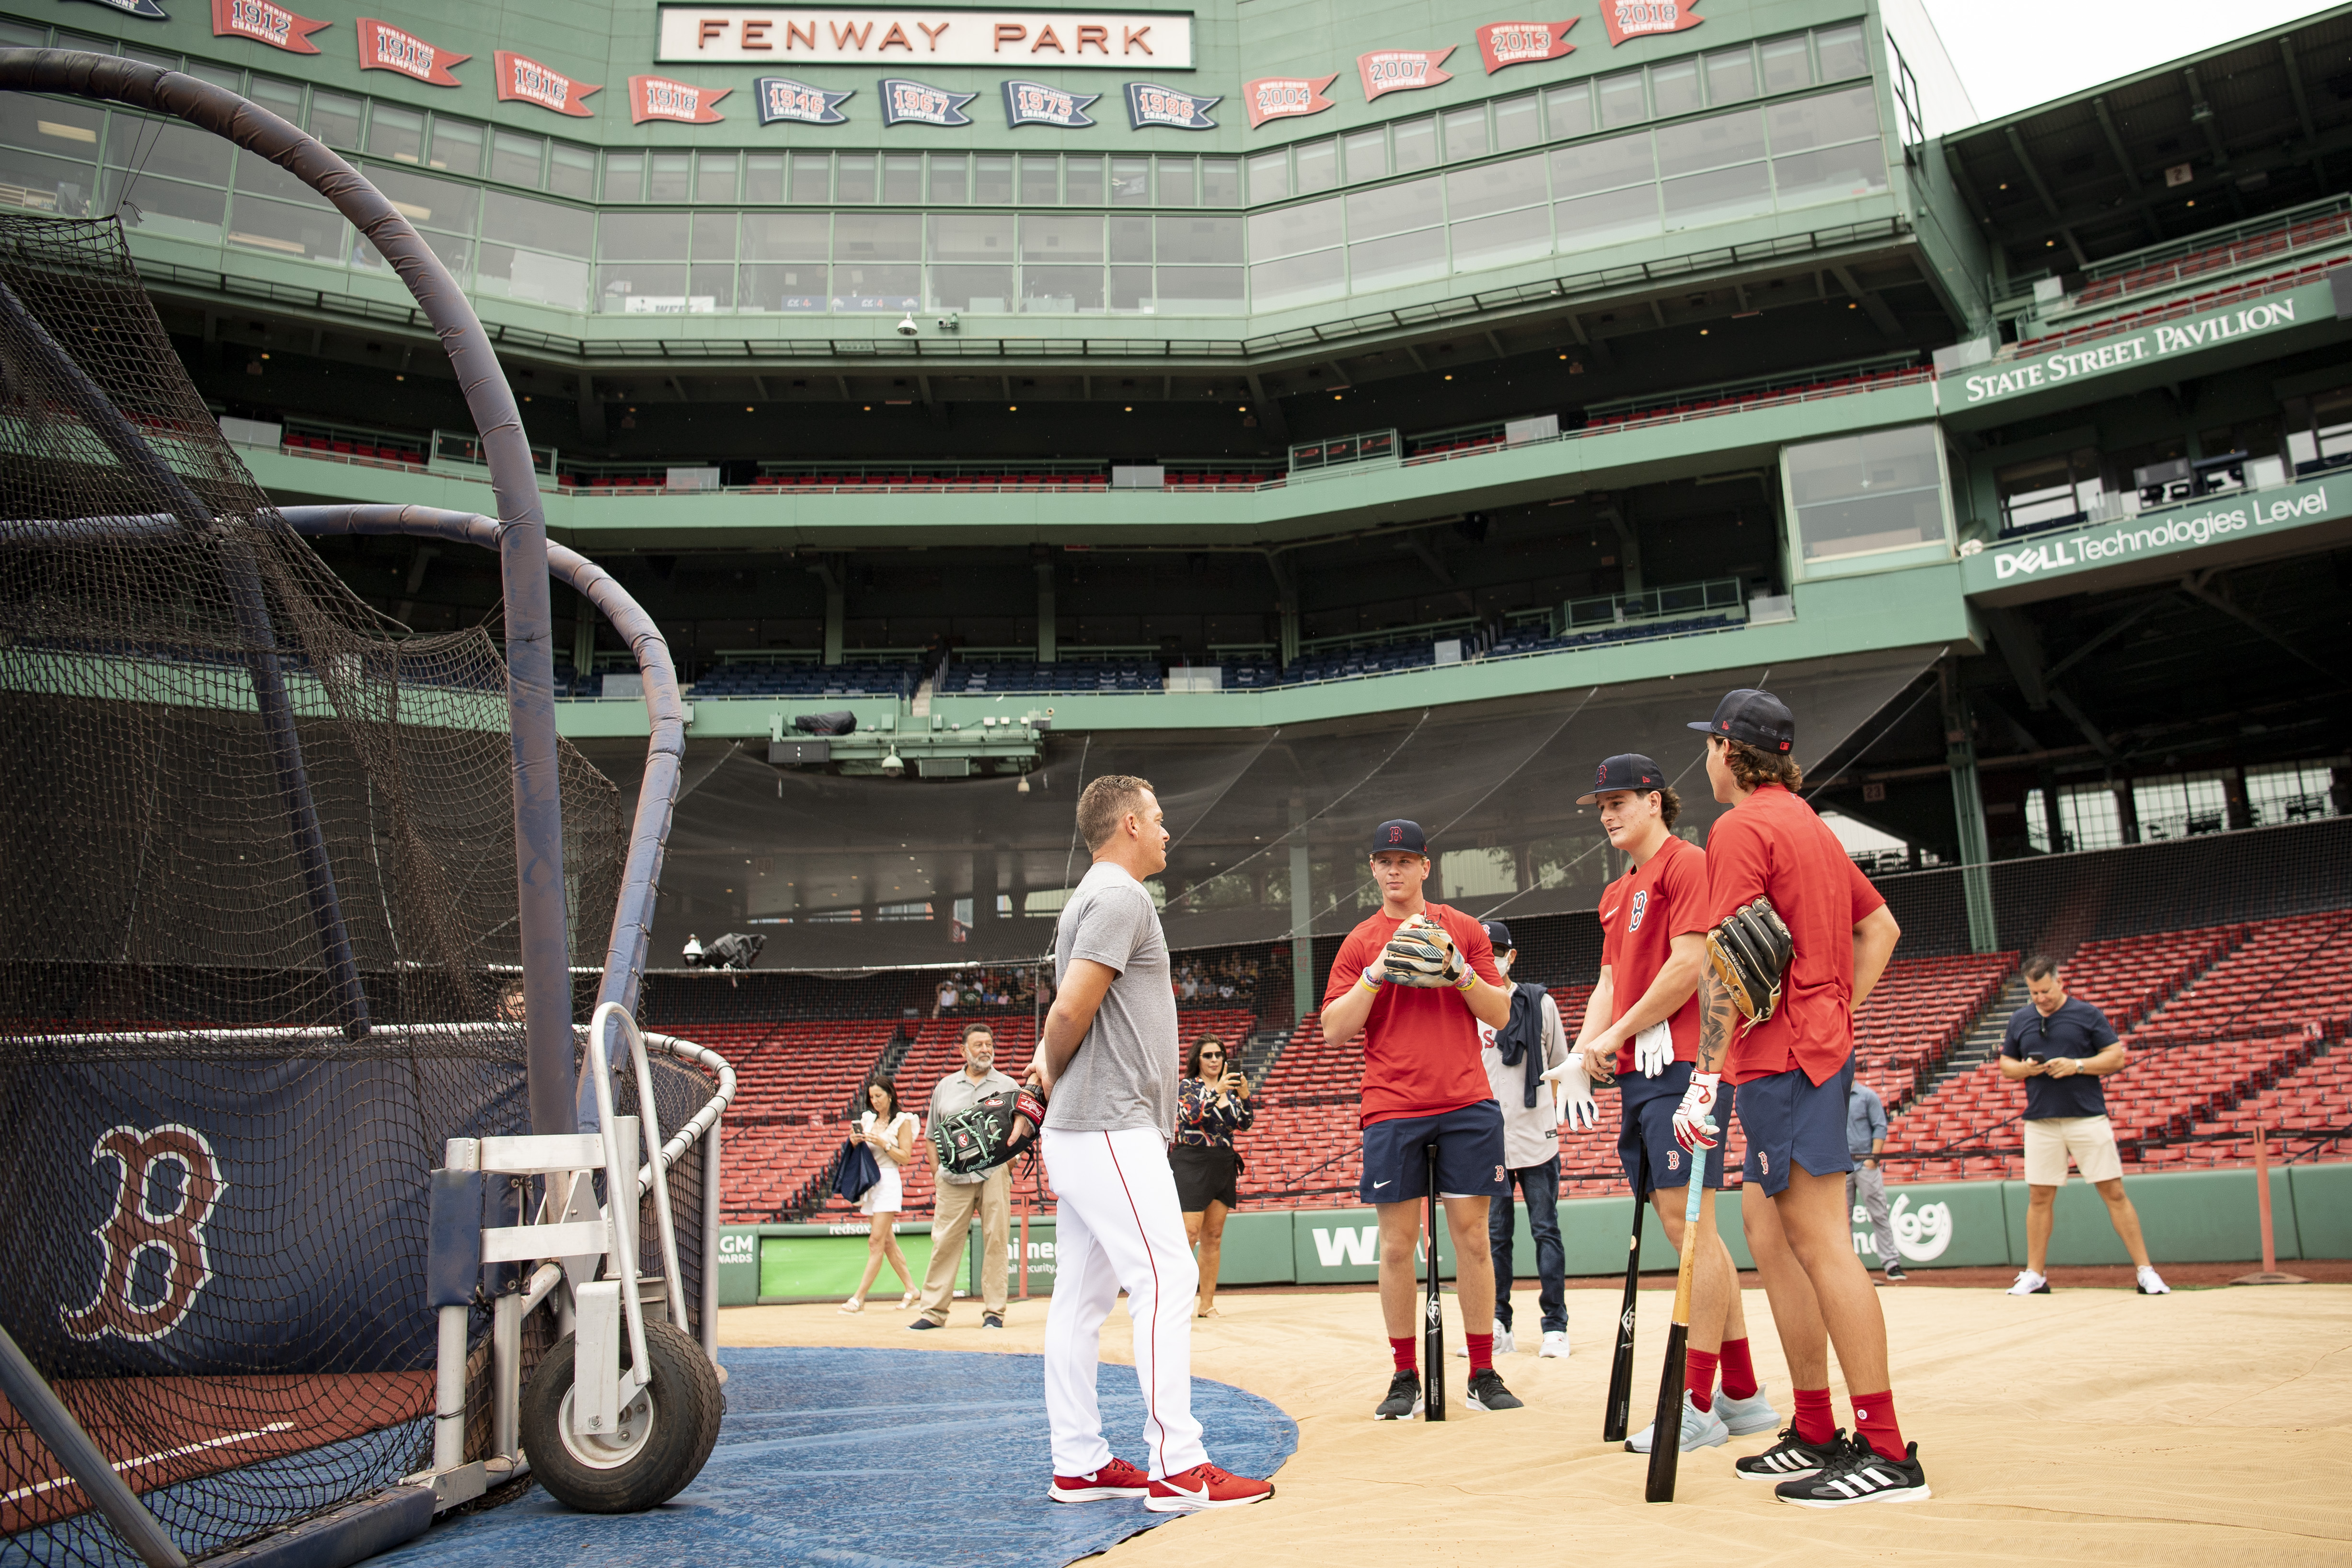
column 1118, row 1226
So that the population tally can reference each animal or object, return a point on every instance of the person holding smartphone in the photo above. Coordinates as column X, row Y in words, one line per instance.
column 1211, row 1105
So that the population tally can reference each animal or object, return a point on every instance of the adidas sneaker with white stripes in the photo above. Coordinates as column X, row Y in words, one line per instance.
column 1792, row 1458
column 1857, row 1474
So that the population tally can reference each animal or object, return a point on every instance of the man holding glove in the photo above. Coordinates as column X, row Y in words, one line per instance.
column 1518, row 1057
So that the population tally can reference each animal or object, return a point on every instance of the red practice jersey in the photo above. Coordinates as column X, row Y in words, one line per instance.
column 1772, row 844
column 1640, row 914
column 1421, row 1042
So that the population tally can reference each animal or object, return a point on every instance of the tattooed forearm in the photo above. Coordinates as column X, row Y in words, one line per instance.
column 1716, row 1014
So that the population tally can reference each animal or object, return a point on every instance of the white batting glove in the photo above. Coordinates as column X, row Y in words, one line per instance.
column 1654, row 1047
column 1694, row 1126
column 1571, row 1092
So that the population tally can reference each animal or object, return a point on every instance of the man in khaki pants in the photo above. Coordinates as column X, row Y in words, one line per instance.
column 959, row 1195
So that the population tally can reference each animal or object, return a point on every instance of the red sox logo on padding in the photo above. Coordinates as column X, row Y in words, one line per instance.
column 134, row 1228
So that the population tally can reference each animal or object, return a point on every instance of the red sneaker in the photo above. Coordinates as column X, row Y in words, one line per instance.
column 1115, row 1479
column 1205, row 1486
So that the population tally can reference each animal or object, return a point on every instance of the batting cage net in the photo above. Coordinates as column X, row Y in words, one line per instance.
column 262, row 915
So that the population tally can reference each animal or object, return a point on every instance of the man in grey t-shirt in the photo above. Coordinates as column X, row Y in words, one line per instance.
column 1108, row 1059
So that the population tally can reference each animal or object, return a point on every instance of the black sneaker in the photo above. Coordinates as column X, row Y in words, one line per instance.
column 1894, row 1272
column 1792, row 1458
column 1859, row 1475
column 1403, row 1402
column 1488, row 1393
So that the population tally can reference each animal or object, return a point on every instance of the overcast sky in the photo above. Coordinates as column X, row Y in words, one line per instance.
column 2014, row 53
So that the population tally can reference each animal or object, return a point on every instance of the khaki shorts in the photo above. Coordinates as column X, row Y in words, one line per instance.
column 2089, row 1139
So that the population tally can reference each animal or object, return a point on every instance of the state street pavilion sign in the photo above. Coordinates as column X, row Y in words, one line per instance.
column 1011, row 40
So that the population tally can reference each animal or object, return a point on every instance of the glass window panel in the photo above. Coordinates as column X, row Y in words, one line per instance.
column 987, row 290
column 262, row 177
column 972, row 237
column 1220, row 182
column 710, row 288
column 1569, row 110
column 1287, row 231
column 1416, row 145
column 1398, row 258
column 1130, row 289
column 1788, row 64
column 1731, row 76
column 854, row 177
column 1041, row 179
column 1517, row 123
column 1393, row 209
column 280, row 98
column 1319, row 165
column 1621, row 100
column 1130, row 239
column 625, row 177
column 1718, row 196
column 902, row 177
column 1611, row 217
column 1710, row 143
column 787, row 237
column 1603, row 166
column 229, row 76
column 1842, row 55
column 162, row 207
column 447, row 204
column 1082, row 180
column 878, row 237
column 540, row 225
column 1367, row 155
column 571, row 171
column 1492, row 188
column 951, row 179
column 993, row 185
column 1674, row 88
column 1061, row 289
column 714, row 236
column 1199, row 291
column 18, row 35
column 812, row 178
column 395, row 134
column 1061, row 238
column 1834, row 174
column 170, row 148
column 458, row 146
column 1130, row 180
column 455, row 252
column 515, row 158
column 633, row 237
column 334, row 118
column 1195, row 240
column 1882, row 491
column 1269, row 176
column 1176, row 182
column 36, row 182
column 770, row 286
column 1823, row 120
column 1465, row 133
column 763, row 177
column 1506, row 237
column 642, row 288
column 714, row 176
column 284, row 229
column 871, row 288
column 84, row 43
column 1275, row 285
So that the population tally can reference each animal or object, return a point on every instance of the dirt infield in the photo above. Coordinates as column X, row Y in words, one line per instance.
column 2089, row 1426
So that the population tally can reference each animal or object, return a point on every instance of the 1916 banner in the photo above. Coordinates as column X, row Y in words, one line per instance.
column 1639, row 18
column 523, row 80
column 265, row 24
column 835, row 35
column 384, row 47
column 1502, row 43
column 1285, row 97
column 681, row 102
column 1402, row 70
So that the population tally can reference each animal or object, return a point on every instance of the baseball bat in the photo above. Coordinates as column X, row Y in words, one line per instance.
column 1615, row 1419
column 1666, row 1436
column 1433, row 1323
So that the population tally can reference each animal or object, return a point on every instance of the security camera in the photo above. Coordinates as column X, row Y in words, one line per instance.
column 951, row 323
column 907, row 328
column 892, row 767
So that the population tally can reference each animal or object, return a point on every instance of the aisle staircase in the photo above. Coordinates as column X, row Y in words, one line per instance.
column 1982, row 1042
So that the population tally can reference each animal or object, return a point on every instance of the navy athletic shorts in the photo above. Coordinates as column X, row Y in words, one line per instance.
column 1469, row 1156
column 1648, row 1104
column 1792, row 1120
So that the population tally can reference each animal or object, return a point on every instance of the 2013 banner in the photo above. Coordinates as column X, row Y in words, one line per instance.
column 1640, row 19
column 1035, row 104
column 1504, row 44
column 1285, row 97
column 782, row 98
column 680, row 102
column 384, row 47
column 1402, row 70
column 1150, row 106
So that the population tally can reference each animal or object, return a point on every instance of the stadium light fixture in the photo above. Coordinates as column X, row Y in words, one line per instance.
column 892, row 767
column 907, row 328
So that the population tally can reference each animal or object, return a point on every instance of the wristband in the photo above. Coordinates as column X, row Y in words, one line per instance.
column 1367, row 982
column 1469, row 978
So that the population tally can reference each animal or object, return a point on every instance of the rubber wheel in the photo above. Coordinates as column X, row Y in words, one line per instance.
column 663, row 1437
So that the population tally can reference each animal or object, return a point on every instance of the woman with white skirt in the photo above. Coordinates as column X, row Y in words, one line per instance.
column 890, row 1132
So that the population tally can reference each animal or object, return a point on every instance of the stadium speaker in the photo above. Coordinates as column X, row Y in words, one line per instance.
column 832, row 721
column 736, row 950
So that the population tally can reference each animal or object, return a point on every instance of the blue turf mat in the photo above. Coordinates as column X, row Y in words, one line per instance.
column 870, row 1458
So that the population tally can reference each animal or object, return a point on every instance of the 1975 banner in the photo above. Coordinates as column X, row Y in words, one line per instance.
column 1015, row 40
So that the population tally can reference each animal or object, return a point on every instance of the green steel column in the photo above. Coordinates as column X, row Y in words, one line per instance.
column 1303, row 999
column 1046, row 612
column 1968, row 809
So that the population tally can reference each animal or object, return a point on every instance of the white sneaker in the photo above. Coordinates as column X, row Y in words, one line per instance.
column 1555, row 1345
column 1701, row 1429
column 1744, row 1417
column 2151, row 1283
column 2029, row 1283
column 1503, row 1345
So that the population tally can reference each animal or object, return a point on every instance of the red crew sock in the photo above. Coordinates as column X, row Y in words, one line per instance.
column 1873, row 1417
column 1482, row 1353
column 1738, row 1372
column 1698, row 1381
column 1404, row 1350
column 1814, row 1421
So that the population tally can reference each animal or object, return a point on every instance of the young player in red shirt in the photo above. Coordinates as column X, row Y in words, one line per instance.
column 1424, row 1082
column 1641, row 1031
column 1793, row 1071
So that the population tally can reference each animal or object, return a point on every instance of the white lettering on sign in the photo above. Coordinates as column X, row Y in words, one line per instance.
column 2059, row 368
column 2171, row 533
column 1347, row 1245
column 760, row 34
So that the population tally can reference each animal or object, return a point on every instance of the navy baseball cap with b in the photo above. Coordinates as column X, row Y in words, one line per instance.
column 1628, row 770
column 1398, row 833
column 1753, row 717
column 1499, row 934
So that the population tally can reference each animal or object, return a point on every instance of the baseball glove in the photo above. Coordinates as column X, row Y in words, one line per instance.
column 1750, row 952
column 984, row 1136
column 1420, row 953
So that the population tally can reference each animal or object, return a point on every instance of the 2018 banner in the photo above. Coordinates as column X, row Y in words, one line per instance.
column 1151, row 105
column 782, row 99
column 681, row 102
column 1640, row 19
column 384, row 47
column 1503, row 44
column 1035, row 104
column 1402, row 70
column 523, row 80
column 908, row 102
column 265, row 24
column 1285, row 97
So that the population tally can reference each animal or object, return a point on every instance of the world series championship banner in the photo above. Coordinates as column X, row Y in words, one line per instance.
column 680, row 102
column 384, row 47
column 1286, row 97
column 1505, row 44
column 1640, row 19
column 1402, row 70
column 782, row 98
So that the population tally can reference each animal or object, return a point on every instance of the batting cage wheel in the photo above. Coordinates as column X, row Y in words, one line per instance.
column 657, row 1446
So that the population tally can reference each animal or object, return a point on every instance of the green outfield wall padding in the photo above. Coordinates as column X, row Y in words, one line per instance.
column 810, row 1262
column 2322, row 1210
column 2187, row 1216
column 1258, row 1249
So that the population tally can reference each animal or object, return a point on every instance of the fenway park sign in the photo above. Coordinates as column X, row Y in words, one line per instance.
column 1017, row 40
